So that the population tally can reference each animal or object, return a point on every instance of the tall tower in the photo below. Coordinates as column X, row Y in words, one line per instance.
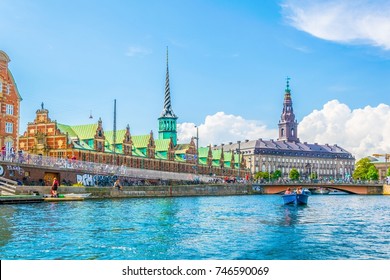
column 288, row 126
column 167, row 120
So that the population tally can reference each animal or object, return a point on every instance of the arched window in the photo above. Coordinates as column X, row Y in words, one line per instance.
column 282, row 132
column 292, row 131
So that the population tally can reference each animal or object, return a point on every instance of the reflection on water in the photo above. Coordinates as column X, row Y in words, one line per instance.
column 234, row 227
column 5, row 224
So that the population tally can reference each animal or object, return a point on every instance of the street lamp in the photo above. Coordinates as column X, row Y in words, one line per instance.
column 269, row 170
column 197, row 144
column 239, row 161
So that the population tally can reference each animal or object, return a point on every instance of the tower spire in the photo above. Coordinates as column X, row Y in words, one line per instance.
column 288, row 126
column 167, row 111
column 167, row 120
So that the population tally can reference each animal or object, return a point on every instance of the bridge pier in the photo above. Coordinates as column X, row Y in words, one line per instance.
column 386, row 189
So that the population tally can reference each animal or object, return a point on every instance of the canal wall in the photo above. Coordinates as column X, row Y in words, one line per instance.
column 386, row 189
column 147, row 191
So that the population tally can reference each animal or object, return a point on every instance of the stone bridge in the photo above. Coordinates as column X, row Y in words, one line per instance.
column 349, row 188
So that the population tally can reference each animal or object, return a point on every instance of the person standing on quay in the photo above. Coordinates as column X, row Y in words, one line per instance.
column 54, row 188
column 117, row 185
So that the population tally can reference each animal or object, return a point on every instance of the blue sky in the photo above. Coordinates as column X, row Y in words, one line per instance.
column 228, row 62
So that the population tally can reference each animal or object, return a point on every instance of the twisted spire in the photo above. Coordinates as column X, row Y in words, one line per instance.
column 167, row 111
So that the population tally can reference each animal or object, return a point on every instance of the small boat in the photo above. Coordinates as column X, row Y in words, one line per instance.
column 321, row 191
column 337, row 192
column 57, row 199
column 83, row 195
column 297, row 199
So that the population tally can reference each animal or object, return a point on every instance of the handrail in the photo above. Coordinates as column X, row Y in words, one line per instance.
column 103, row 168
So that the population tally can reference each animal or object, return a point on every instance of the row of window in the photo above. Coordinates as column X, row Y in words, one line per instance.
column 314, row 161
column 303, row 170
column 7, row 89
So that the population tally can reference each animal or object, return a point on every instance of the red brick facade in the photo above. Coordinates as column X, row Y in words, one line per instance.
column 9, row 106
column 42, row 136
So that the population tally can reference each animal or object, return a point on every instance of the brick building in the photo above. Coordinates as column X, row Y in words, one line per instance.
column 91, row 143
column 9, row 106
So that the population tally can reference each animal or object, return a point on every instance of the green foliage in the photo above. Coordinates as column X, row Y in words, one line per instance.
column 362, row 168
column 261, row 175
column 294, row 174
column 388, row 172
column 313, row 176
column 276, row 175
column 372, row 173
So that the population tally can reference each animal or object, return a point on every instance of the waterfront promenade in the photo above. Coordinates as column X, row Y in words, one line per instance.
column 98, row 180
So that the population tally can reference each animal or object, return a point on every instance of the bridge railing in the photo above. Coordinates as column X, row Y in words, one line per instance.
column 103, row 168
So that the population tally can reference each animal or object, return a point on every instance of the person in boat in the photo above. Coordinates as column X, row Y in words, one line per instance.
column 288, row 191
column 299, row 190
column 117, row 185
column 54, row 188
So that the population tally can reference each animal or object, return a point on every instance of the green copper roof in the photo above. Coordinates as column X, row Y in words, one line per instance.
column 86, row 131
column 203, row 152
column 138, row 153
column 120, row 134
column 181, row 148
column 216, row 154
column 67, row 129
column 160, row 156
column 140, row 141
column 179, row 158
column 162, row 144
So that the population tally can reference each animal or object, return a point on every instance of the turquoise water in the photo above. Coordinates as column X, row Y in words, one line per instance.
column 231, row 227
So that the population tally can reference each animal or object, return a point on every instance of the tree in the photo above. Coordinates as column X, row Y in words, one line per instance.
column 277, row 174
column 361, row 169
column 294, row 174
column 372, row 173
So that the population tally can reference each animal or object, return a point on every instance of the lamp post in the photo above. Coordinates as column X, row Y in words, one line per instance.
column 197, row 144
column 239, row 161
column 269, row 170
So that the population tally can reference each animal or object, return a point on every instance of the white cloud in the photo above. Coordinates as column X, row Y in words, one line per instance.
column 345, row 21
column 362, row 132
column 137, row 51
column 223, row 128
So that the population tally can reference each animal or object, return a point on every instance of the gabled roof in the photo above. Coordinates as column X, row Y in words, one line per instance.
column 67, row 129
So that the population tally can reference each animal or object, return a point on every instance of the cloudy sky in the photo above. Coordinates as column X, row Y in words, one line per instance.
column 228, row 63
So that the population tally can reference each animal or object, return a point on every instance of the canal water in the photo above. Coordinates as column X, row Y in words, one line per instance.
column 258, row 227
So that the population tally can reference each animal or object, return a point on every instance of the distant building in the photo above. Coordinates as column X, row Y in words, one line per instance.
column 9, row 106
column 324, row 161
column 382, row 164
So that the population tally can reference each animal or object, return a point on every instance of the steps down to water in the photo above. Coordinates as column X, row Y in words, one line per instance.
column 7, row 186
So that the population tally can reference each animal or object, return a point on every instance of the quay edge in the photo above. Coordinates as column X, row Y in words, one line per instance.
column 149, row 191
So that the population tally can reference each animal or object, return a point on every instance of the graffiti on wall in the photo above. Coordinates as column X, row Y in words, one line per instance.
column 96, row 180
column 13, row 168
